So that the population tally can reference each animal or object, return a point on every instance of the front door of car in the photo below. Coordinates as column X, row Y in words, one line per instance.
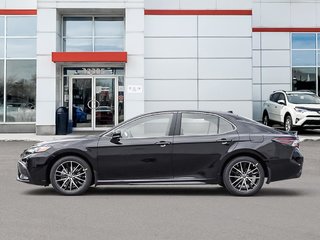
column 143, row 152
column 279, row 106
column 203, row 140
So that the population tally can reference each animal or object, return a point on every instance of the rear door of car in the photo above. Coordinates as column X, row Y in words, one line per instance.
column 200, row 141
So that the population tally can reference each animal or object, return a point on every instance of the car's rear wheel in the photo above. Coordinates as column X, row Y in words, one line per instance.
column 265, row 119
column 243, row 176
column 71, row 175
column 288, row 123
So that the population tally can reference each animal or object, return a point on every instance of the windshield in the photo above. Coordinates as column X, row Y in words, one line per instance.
column 303, row 98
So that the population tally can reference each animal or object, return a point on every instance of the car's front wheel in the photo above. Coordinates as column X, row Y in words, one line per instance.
column 71, row 175
column 288, row 123
column 243, row 176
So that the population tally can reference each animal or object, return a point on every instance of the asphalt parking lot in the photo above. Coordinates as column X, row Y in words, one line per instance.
column 282, row 210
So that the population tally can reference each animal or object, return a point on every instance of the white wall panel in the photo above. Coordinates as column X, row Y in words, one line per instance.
column 161, row 4
column 257, row 111
column 48, row 20
column 43, row 84
column 234, row 4
column 198, row 4
column 170, row 68
column 256, row 58
column 224, row 47
column 256, row 92
column 45, row 113
column 225, row 26
column 46, row 68
column 225, row 68
column 46, row 43
column 171, row 90
column 170, row 26
column 303, row 14
column 256, row 13
column 133, row 96
column 134, row 20
column 275, row 58
column 256, row 40
column 19, row 4
column 243, row 108
column 256, row 75
column 276, row 75
column 171, row 47
column 134, row 43
column 2, row 4
column 135, row 66
column 271, row 40
column 151, row 106
column 267, row 89
column 275, row 14
column 225, row 89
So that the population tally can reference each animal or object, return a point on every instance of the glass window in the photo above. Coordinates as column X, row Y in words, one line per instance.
column 1, row 48
column 109, row 26
column 21, row 91
column 78, row 45
column 21, row 48
column 1, row 26
column 1, row 90
column 121, row 98
column 108, row 44
column 148, row 127
column 304, row 58
column 303, row 41
column 304, row 79
column 225, row 126
column 77, row 26
column 21, row 26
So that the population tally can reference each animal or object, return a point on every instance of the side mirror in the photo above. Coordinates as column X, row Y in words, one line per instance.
column 116, row 136
column 282, row 102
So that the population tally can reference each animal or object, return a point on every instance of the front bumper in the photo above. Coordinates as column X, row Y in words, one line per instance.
column 307, row 120
column 28, row 171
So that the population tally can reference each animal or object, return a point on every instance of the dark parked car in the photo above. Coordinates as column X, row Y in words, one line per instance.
column 168, row 147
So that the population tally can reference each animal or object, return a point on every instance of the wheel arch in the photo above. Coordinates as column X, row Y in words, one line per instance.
column 285, row 115
column 70, row 153
column 245, row 153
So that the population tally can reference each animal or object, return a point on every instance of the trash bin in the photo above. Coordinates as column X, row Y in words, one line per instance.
column 62, row 121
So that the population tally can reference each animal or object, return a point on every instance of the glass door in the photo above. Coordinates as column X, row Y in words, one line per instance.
column 105, row 108
column 81, row 102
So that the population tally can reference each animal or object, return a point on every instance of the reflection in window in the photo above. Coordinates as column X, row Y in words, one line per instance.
column 21, row 91
column 303, row 40
column 303, row 58
column 21, row 26
column 148, row 127
column 121, row 98
column 304, row 79
column 1, row 48
column 21, row 48
column 99, row 34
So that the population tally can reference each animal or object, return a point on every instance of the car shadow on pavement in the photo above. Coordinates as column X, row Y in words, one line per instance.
column 156, row 190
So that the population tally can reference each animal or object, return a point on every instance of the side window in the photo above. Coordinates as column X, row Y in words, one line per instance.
column 274, row 97
column 203, row 124
column 148, row 127
column 281, row 97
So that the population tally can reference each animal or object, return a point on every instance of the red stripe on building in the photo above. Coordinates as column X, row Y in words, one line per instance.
column 197, row 12
column 293, row 29
column 89, row 57
column 18, row 12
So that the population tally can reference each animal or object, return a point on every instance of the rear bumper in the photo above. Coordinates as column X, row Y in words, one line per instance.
column 282, row 169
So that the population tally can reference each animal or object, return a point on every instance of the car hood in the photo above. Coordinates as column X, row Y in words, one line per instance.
column 70, row 141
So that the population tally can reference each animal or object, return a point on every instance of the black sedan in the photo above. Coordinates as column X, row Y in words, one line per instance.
column 171, row 147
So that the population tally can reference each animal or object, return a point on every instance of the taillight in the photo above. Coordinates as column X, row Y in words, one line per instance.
column 291, row 141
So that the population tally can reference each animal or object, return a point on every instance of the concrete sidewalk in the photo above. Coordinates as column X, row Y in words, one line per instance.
column 32, row 137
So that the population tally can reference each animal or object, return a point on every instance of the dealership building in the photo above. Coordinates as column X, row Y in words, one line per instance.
column 109, row 60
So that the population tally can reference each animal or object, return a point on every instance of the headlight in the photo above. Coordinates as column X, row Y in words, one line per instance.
column 300, row 110
column 38, row 149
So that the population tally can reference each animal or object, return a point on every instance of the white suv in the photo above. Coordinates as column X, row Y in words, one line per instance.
column 292, row 109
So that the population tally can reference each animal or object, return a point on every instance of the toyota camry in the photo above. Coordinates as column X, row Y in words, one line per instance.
column 169, row 147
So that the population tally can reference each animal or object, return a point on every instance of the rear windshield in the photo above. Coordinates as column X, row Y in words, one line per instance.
column 303, row 98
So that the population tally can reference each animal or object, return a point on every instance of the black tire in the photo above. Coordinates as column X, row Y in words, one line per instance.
column 71, row 175
column 265, row 119
column 247, row 183
column 288, row 123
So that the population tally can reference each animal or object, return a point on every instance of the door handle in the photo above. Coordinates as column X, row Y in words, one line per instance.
column 163, row 143
column 224, row 141
column 89, row 105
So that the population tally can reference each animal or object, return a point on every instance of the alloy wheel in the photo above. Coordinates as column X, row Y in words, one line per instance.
column 70, row 175
column 288, row 124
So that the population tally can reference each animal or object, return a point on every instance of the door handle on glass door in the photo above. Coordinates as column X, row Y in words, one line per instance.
column 89, row 105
